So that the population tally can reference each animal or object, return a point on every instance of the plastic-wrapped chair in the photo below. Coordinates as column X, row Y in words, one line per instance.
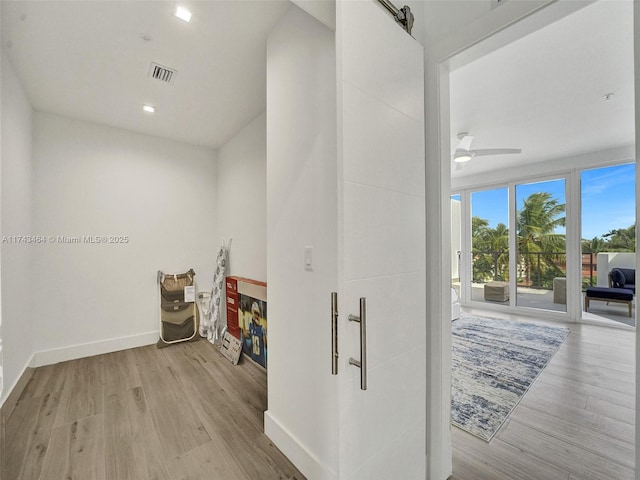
column 178, row 317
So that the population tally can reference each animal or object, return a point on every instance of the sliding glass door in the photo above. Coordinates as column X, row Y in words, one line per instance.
column 541, row 259
column 511, row 245
column 490, row 246
column 608, row 224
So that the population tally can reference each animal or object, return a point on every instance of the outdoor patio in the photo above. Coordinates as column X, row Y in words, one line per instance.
column 543, row 299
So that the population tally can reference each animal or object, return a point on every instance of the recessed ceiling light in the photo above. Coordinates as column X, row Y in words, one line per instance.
column 149, row 108
column 183, row 14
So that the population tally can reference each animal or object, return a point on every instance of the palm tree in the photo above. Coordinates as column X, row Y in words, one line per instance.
column 595, row 245
column 498, row 239
column 479, row 227
column 481, row 264
column 591, row 248
column 622, row 239
column 537, row 221
column 491, row 250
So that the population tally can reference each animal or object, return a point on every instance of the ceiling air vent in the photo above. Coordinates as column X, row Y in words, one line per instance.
column 162, row 73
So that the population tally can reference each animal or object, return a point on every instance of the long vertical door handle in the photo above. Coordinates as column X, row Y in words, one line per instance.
column 334, row 333
column 362, row 363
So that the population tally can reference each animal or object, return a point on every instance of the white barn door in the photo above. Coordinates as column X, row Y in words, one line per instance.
column 381, row 237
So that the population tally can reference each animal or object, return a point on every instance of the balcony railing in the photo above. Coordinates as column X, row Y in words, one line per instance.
column 534, row 270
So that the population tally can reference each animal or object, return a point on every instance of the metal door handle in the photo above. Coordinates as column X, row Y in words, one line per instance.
column 334, row 333
column 362, row 363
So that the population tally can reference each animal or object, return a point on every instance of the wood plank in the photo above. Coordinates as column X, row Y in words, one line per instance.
column 120, row 372
column 46, row 380
column 203, row 463
column 17, row 393
column 229, row 425
column 132, row 447
column 583, row 429
column 473, row 460
column 579, row 417
column 541, row 391
column 596, row 376
column 133, row 423
column 580, row 357
column 76, row 451
column 615, row 398
column 27, row 436
column 82, row 394
column 607, row 409
column 564, row 455
column 17, row 430
column 179, row 428
column 148, row 358
column 214, row 369
column 213, row 387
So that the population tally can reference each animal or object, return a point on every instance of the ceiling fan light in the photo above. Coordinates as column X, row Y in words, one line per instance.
column 462, row 157
column 183, row 14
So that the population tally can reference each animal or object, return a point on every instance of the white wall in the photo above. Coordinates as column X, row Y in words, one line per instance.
column 16, row 173
column 241, row 193
column 444, row 17
column 99, row 181
column 607, row 261
column 1, row 358
column 560, row 165
column 301, row 210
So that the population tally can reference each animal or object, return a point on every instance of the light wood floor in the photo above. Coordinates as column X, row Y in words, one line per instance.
column 575, row 423
column 182, row 412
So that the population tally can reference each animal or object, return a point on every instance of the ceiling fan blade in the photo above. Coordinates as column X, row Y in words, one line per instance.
column 465, row 142
column 495, row 151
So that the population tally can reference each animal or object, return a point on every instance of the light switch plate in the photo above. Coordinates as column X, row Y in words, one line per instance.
column 308, row 258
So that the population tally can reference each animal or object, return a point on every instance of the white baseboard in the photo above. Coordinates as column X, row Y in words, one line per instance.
column 11, row 398
column 304, row 460
column 72, row 352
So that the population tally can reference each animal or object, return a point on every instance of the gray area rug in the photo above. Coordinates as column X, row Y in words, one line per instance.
column 494, row 363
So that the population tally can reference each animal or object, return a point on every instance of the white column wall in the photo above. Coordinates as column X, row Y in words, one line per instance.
column 16, row 215
column 1, row 355
column 100, row 181
column 241, row 193
column 301, row 211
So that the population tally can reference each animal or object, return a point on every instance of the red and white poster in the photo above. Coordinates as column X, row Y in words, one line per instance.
column 247, row 316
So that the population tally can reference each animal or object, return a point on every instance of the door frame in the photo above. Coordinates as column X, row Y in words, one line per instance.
column 500, row 27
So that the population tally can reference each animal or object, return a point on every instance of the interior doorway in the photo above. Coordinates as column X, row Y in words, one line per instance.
column 474, row 51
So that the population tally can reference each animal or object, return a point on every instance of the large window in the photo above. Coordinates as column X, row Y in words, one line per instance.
column 523, row 244
column 541, row 245
column 608, row 233
column 490, row 245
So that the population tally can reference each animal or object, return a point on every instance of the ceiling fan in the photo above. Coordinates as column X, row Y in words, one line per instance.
column 463, row 152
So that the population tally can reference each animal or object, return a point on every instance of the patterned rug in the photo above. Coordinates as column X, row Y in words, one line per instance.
column 494, row 363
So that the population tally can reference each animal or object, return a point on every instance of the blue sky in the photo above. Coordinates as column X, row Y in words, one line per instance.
column 608, row 199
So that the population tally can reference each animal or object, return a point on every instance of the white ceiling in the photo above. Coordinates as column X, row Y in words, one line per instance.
column 85, row 59
column 544, row 93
